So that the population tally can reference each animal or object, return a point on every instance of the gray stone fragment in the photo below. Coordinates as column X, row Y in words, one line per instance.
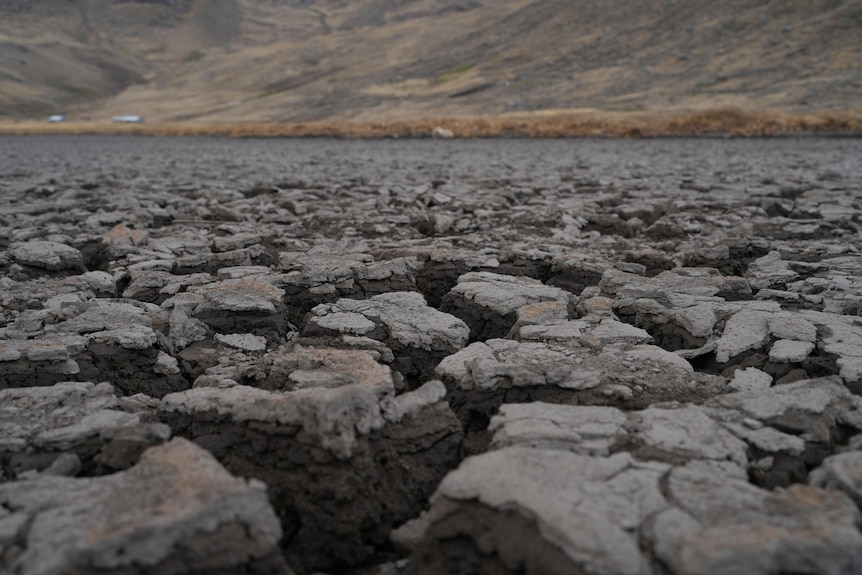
column 115, row 323
column 303, row 367
column 176, row 323
column 596, row 306
column 500, row 364
column 11, row 525
column 40, row 424
column 735, row 527
column 235, row 241
column 122, row 239
column 840, row 337
column 245, row 341
column 542, row 511
column 768, row 440
column 320, row 448
column 332, row 419
column 440, row 268
column 187, row 515
column 49, row 256
column 685, row 433
column 98, row 341
column 237, row 272
column 166, row 364
column 589, row 430
column 418, row 335
column 211, row 262
column 485, row 375
column 818, row 411
column 90, row 424
column 488, row 302
column 803, row 402
column 100, row 282
column 686, row 281
column 131, row 338
column 836, row 286
column 180, row 245
column 242, row 305
column 785, row 325
column 409, row 536
column 841, row 472
column 540, row 501
column 349, row 323
column 750, row 327
column 785, row 297
column 790, row 351
column 770, row 271
column 241, row 295
column 678, row 321
column 48, row 351
column 750, row 379
column 577, row 271
column 107, row 315
column 68, row 294
column 651, row 355
column 610, row 329
column 744, row 331
column 310, row 279
column 66, row 465
column 569, row 331
column 45, row 361
column 156, row 287
column 294, row 367
column 539, row 315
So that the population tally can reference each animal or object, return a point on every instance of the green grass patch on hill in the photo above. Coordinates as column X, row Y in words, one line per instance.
column 449, row 75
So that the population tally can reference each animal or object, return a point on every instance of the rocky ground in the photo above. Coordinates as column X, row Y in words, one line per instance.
column 381, row 357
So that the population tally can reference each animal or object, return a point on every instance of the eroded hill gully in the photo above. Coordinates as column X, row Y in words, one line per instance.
column 626, row 353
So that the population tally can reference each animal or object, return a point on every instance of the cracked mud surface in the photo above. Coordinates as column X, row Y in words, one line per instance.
column 379, row 357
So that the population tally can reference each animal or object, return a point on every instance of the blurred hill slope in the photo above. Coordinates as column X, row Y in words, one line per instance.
column 301, row 60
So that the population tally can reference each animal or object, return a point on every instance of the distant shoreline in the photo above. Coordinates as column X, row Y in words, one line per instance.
column 547, row 124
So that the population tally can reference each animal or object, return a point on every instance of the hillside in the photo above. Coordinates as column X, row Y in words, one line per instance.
column 307, row 60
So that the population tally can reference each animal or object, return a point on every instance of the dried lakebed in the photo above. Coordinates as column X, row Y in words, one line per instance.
column 381, row 357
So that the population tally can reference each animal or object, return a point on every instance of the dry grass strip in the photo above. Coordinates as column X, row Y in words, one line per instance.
column 729, row 122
